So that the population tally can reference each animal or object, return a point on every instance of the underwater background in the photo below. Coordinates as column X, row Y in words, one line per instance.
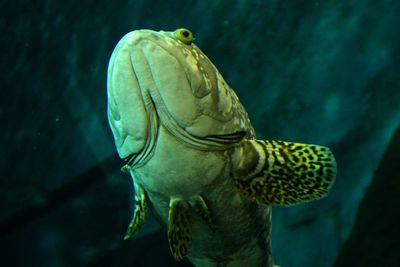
column 323, row 72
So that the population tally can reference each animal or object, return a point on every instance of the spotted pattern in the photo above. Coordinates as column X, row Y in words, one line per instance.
column 139, row 214
column 290, row 173
column 179, row 228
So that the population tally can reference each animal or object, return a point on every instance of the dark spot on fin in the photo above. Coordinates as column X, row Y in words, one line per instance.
column 283, row 173
column 179, row 228
column 139, row 213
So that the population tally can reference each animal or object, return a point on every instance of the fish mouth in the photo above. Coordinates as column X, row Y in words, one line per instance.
column 131, row 109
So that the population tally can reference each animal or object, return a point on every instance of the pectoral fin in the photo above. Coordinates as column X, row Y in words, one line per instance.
column 179, row 228
column 283, row 173
column 139, row 214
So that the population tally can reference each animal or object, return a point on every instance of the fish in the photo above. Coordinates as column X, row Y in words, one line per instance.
column 192, row 153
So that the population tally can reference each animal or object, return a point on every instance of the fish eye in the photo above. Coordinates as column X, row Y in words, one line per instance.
column 184, row 35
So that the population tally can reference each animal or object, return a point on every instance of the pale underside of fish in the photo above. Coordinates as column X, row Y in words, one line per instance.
column 193, row 155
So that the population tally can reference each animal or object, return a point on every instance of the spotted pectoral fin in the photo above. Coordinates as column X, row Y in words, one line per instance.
column 139, row 213
column 179, row 228
column 283, row 173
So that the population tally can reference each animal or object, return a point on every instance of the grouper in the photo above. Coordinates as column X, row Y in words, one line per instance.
column 192, row 153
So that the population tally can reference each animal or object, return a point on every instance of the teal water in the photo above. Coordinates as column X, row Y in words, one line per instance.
column 323, row 72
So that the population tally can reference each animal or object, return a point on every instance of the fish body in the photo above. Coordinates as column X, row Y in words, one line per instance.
column 193, row 156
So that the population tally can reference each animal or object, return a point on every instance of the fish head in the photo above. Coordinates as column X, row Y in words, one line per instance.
column 167, row 73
